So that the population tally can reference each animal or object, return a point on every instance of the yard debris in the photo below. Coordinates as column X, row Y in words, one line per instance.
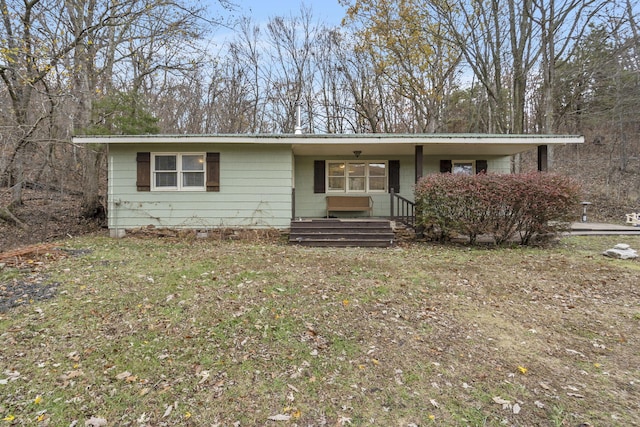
column 21, row 256
column 11, row 376
column 69, row 375
column 123, row 375
column 621, row 251
column 95, row 422
column 506, row 404
column 279, row 417
column 576, row 395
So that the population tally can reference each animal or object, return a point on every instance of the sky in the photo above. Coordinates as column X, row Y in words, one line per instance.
column 325, row 11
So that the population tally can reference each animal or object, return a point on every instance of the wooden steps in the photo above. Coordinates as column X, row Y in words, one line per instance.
column 342, row 232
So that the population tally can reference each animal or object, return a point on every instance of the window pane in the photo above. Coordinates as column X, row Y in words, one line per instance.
column 356, row 169
column 336, row 183
column 377, row 169
column 356, row 184
column 193, row 179
column 377, row 183
column 336, row 169
column 336, row 175
column 166, row 179
column 192, row 163
column 166, row 163
column 463, row 168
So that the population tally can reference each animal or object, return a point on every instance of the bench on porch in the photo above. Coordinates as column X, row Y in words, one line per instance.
column 349, row 204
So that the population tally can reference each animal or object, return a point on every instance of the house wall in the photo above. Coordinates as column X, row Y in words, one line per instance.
column 495, row 164
column 311, row 205
column 255, row 189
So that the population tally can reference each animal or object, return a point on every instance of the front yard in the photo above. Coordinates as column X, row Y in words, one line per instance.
column 206, row 332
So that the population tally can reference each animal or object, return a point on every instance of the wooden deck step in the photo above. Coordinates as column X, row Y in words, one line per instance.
column 342, row 232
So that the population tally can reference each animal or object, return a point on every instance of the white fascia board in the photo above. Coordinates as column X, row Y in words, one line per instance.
column 336, row 139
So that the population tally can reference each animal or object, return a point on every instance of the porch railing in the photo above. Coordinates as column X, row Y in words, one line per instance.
column 402, row 210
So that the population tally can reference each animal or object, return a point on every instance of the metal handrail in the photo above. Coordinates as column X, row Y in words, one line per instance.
column 402, row 210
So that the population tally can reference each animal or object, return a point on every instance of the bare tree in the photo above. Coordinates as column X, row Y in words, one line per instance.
column 496, row 41
column 31, row 56
column 337, row 93
column 407, row 47
column 560, row 24
column 291, row 51
column 73, row 53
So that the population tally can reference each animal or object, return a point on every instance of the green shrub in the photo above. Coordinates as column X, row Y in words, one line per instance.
column 500, row 206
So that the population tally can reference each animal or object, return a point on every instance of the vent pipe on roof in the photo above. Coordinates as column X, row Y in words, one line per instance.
column 298, row 130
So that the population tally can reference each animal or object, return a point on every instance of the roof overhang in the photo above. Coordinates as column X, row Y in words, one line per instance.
column 368, row 144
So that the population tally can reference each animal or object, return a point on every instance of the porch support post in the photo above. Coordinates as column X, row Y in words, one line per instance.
column 293, row 204
column 418, row 162
column 542, row 158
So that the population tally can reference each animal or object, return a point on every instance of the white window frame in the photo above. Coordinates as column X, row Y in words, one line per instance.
column 367, row 188
column 180, row 173
column 454, row 162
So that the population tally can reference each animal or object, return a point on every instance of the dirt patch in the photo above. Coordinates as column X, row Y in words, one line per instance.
column 48, row 217
column 28, row 290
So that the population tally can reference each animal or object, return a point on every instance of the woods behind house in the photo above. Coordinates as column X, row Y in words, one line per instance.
column 151, row 66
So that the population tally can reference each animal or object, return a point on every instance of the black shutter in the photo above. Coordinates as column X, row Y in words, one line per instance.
column 446, row 166
column 143, row 176
column 319, row 176
column 543, row 158
column 481, row 166
column 394, row 176
column 213, row 172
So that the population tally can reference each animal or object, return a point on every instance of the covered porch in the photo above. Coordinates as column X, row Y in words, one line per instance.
column 385, row 168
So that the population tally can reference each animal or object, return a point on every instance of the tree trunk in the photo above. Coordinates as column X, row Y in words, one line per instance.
column 8, row 217
column 91, row 207
column 16, row 189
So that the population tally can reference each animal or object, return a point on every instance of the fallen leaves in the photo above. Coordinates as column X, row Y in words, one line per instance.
column 127, row 377
column 71, row 375
column 30, row 254
column 312, row 336
column 95, row 422
column 507, row 405
column 168, row 410
column 11, row 376
column 279, row 417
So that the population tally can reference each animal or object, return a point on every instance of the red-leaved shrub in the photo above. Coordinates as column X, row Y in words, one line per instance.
column 499, row 206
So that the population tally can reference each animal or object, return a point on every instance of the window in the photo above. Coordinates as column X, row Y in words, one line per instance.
column 356, row 176
column 466, row 167
column 178, row 172
column 463, row 167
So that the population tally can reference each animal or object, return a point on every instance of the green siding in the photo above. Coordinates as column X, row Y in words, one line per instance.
column 256, row 182
column 310, row 205
column 255, row 190
column 501, row 164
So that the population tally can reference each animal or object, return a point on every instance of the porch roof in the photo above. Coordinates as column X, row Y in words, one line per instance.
column 368, row 144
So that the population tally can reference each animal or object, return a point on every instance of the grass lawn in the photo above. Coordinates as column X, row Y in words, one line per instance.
column 209, row 332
